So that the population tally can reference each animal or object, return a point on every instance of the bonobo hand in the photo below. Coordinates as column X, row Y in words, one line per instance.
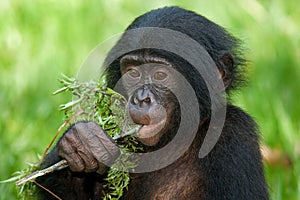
column 87, row 148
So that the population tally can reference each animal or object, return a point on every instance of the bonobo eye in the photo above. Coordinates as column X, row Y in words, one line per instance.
column 133, row 73
column 160, row 76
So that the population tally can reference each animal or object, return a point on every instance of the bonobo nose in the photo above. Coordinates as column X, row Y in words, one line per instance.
column 142, row 97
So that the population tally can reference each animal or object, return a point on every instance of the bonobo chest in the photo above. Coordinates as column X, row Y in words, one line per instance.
column 174, row 182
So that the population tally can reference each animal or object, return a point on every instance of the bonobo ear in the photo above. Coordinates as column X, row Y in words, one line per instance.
column 226, row 68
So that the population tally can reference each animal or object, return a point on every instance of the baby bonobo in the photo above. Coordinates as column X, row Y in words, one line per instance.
column 233, row 168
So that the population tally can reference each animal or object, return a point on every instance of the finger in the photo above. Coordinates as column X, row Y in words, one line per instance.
column 90, row 163
column 67, row 151
column 100, row 144
column 98, row 152
column 111, row 152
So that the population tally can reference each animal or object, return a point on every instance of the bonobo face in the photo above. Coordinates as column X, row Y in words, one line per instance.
column 150, row 101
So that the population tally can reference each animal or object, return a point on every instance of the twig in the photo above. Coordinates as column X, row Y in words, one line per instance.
column 58, row 166
column 79, row 112
column 46, row 189
column 130, row 132
column 63, row 163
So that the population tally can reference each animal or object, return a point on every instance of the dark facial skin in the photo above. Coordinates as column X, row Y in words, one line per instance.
column 147, row 83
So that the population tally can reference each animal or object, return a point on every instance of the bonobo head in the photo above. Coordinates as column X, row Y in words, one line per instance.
column 149, row 81
column 150, row 75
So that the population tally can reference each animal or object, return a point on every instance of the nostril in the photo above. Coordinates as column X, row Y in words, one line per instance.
column 147, row 100
column 141, row 101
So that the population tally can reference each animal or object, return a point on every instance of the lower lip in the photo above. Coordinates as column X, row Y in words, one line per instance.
column 152, row 129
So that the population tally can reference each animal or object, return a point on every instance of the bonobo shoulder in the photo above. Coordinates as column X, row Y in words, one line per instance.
column 238, row 120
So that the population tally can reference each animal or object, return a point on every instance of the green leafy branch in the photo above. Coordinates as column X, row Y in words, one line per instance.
column 94, row 101
column 106, row 107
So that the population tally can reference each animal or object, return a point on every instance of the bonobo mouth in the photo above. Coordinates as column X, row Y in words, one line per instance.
column 150, row 130
column 152, row 123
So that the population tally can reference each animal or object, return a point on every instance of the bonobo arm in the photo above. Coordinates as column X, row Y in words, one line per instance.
column 88, row 150
column 234, row 167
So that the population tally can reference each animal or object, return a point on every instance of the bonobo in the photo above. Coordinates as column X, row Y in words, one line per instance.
column 151, row 79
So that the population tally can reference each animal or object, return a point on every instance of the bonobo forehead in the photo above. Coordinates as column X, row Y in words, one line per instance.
column 142, row 57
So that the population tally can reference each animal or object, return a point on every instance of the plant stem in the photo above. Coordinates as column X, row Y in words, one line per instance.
column 58, row 166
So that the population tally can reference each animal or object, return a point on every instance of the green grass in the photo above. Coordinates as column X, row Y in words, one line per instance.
column 42, row 39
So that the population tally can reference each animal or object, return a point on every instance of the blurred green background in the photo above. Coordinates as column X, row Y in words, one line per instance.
column 40, row 39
